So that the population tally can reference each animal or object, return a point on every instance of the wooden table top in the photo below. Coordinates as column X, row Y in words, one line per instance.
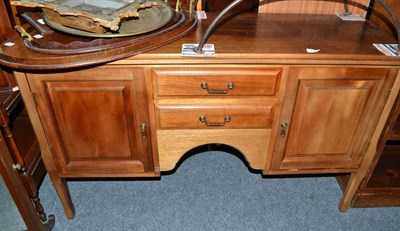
column 243, row 38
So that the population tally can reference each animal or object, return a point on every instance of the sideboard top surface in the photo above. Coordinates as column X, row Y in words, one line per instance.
column 282, row 38
column 243, row 38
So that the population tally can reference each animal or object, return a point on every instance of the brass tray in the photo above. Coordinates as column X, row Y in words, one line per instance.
column 150, row 19
column 106, row 13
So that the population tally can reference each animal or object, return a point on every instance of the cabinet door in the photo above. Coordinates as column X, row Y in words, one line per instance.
column 328, row 116
column 96, row 121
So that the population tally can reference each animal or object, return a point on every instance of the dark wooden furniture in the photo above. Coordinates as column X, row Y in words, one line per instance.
column 312, row 7
column 22, row 168
column 23, row 148
column 286, row 111
column 382, row 19
column 16, row 187
column 381, row 185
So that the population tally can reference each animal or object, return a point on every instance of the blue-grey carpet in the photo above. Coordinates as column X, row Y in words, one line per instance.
column 213, row 191
column 9, row 215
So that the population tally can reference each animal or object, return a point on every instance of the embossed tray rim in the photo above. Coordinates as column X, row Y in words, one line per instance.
column 164, row 10
column 113, row 10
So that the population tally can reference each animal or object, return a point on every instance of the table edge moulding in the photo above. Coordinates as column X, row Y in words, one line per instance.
column 285, row 110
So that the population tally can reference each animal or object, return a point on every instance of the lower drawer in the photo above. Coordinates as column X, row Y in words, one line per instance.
column 249, row 112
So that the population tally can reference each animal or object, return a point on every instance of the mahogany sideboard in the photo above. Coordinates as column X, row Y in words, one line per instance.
column 287, row 111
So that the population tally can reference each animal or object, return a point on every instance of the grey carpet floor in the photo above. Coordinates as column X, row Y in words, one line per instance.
column 9, row 216
column 212, row 191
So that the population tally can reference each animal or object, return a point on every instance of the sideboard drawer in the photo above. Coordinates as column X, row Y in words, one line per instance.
column 216, row 81
column 252, row 112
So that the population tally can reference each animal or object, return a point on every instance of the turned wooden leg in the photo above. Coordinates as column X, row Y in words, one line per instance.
column 20, row 166
column 39, row 208
column 47, row 221
column 33, row 192
column 19, row 194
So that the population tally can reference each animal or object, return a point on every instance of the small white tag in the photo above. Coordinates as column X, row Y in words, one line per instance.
column 9, row 44
column 350, row 17
column 38, row 36
column 15, row 88
column 387, row 49
column 201, row 14
column 312, row 51
column 207, row 51
column 41, row 21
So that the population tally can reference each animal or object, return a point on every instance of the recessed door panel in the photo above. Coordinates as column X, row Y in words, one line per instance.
column 95, row 118
column 328, row 116
column 96, row 121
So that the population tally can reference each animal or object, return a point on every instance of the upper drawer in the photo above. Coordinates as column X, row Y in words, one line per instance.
column 216, row 81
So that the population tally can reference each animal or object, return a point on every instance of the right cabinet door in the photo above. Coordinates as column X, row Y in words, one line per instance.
column 328, row 116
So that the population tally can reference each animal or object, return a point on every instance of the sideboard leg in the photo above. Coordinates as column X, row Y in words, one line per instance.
column 350, row 191
column 60, row 184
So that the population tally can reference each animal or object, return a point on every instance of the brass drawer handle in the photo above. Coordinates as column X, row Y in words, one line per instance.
column 203, row 119
column 230, row 86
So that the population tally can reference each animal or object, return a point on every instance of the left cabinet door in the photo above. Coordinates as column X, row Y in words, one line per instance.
column 96, row 121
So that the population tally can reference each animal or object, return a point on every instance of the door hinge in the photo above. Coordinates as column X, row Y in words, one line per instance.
column 388, row 95
column 33, row 99
column 50, row 148
column 367, row 146
column 143, row 129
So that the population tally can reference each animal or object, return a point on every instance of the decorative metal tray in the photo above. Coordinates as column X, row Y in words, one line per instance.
column 150, row 19
column 105, row 13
